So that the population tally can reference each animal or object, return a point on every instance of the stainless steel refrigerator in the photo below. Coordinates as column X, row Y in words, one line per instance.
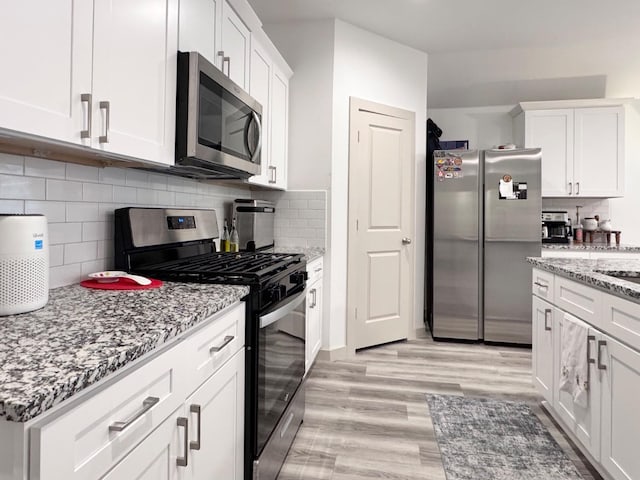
column 486, row 221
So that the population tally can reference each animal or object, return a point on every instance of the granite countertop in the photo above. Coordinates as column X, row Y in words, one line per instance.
column 590, row 272
column 310, row 253
column 82, row 335
column 599, row 247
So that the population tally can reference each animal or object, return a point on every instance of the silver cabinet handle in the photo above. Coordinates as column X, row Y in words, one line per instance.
column 601, row 343
column 406, row 241
column 105, row 138
column 227, row 340
column 547, row 311
column 590, row 361
column 314, row 302
column 86, row 97
column 183, row 461
column 147, row 404
column 226, row 60
column 541, row 285
column 570, row 188
column 195, row 444
column 272, row 175
column 577, row 188
column 319, row 269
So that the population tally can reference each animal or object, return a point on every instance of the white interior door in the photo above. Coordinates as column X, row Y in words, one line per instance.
column 381, row 212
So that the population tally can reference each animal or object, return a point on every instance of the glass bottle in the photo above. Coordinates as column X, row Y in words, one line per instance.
column 224, row 240
column 234, row 240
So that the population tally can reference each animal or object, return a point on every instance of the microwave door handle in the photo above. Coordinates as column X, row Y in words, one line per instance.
column 247, row 126
column 259, row 145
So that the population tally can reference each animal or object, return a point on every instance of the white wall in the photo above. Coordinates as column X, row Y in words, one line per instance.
column 508, row 76
column 371, row 67
column 363, row 65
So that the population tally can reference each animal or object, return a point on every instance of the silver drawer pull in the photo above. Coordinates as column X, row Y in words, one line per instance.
column 147, row 405
column 86, row 98
column 547, row 311
column 227, row 340
column 590, row 361
column 319, row 269
column 183, row 461
column 107, row 113
column 541, row 285
column 195, row 444
column 601, row 343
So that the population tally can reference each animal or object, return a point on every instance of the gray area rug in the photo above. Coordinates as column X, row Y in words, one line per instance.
column 486, row 439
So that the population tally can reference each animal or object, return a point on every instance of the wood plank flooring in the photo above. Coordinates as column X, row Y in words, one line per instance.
column 367, row 417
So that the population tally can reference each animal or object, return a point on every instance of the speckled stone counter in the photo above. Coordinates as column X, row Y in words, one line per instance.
column 595, row 247
column 82, row 335
column 591, row 273
column 310, row 253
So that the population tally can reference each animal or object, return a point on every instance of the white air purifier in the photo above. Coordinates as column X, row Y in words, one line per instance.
column 24, row 263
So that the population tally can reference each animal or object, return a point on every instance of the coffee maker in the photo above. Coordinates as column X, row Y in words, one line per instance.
column 556, row 227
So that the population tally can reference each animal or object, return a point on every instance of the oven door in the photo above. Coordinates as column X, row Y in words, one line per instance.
column 280, row 362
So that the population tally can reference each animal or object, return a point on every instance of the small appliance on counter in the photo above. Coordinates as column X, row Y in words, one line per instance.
column 255, row 220
column 24, row 263
column 556, row 227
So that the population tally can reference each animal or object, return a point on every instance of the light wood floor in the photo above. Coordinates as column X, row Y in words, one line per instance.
column 367, row 417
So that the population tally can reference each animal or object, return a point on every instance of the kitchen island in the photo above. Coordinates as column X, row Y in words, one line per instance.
column 75, row 374
column 595, row 301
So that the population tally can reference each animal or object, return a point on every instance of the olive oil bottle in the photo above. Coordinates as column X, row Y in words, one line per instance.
column 224, row 240
column 234, row 240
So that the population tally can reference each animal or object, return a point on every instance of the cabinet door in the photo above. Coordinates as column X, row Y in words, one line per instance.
column 279, row 129
column 216, row 417
column 156, row 457
column 620, row 377
column 543, row 351
column 599, row 152
column 583, row 422
column 236, row 45
column 260, row 89
column 199, row 27
column 314, row 323
column 45, row 48
column 552, row 130
column 134, row 70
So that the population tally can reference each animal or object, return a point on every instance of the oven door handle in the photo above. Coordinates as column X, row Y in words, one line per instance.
column 285, row 309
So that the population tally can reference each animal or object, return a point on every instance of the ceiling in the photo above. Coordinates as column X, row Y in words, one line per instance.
column 437, row 26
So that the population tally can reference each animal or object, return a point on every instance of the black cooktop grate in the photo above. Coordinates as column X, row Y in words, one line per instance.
column 233, row 267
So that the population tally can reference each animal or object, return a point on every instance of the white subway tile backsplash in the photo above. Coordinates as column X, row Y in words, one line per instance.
column 112, row 175
column 83, row 173
column 93, row 266
column 22, row 188
column 317, row 204
column 166, row 199
column 11, row 206
column 64, row 190
column 54, row 211
column 40, row 167
column 147, row 197
column 80, row 252
column 11, row 164
column 92, row 231
column 300, row 204
column 105, row 250
column 125, row 194
column 64, row 275
column 136, row 178
column 82, row 212
column 60, row 233
column 56, row 255
column 157, row 181
column 97, row 192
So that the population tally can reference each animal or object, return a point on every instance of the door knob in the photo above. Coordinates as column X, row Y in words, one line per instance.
column 406, row 241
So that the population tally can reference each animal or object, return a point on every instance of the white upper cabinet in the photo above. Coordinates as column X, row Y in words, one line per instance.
column 279, row 129
column 199, row 28
column 235, row 48
column 260, row 89
column 134, row 78
column 45, row 48
column 582, row 148
column 101, row 74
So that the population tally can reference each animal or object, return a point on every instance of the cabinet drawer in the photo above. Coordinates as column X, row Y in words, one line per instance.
column 314, row 270
column 88, row 440
column 621, row 319
column 210, row 347
column 580, row 300
column 542, row 284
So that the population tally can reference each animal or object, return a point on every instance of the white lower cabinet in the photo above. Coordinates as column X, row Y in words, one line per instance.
column 178, row 415
column 313, row 337
column 608, row 428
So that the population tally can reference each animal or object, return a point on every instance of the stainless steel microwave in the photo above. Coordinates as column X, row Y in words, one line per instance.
column 218, row 132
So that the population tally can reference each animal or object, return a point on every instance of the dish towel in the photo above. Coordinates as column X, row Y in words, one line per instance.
column 574, row 369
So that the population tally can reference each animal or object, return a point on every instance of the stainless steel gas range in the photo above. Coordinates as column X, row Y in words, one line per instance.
column 177, row 244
